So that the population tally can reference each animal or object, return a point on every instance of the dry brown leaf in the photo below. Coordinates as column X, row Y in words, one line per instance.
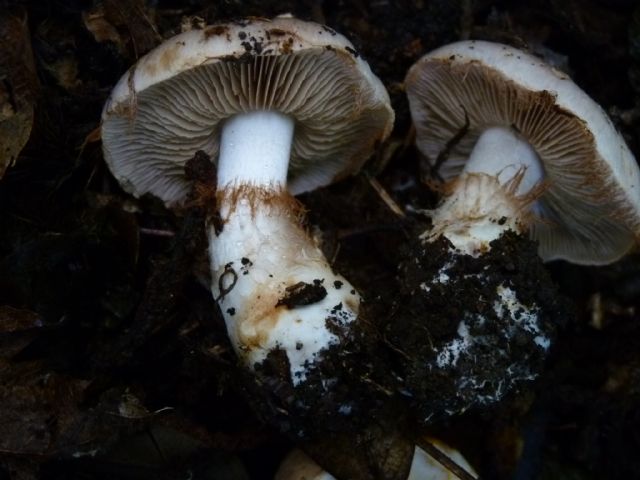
column 18, row 328
column 127, row 24
column 16, row 320
column 18, row 86
column 94, row 20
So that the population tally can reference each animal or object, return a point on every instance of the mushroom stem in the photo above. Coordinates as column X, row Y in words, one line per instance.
column 274, row 286
column 245, row 137
column 492, row 195
column 484, row 276
column 503, row 153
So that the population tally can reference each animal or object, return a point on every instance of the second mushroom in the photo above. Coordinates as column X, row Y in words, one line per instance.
column 534, row 171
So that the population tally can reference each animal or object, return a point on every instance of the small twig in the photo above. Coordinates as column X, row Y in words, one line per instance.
column 386, row 198
column 444, row 460
column 376, row 385
column 154, row 232
column 451, row 144
column 396, row 349
column 335, row 255
column 156, row 445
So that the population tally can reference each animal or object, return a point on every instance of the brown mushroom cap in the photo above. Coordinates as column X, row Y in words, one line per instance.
column 174, row 101
column 590, row 210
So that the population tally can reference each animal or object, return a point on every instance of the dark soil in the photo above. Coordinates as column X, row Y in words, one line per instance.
column 458, row 346
column 348, row 398
column 114, row 361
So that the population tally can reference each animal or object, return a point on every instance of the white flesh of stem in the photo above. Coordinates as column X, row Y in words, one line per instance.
column 262, row 250
column 501, row 152
column 480, row 209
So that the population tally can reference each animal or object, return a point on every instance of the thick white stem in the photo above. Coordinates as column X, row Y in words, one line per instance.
column 255, row 149
column 273, row 284
column 501, row 152
column 259, row 260
column 487, row 197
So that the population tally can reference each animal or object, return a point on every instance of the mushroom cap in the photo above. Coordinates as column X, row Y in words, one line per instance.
column 589, row 211
column 174, row 101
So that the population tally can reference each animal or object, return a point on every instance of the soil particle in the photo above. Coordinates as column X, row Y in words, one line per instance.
column 276, row 32
column 302, row 294
column 329, row 30
column 352, row 51
column 215, row 30
column 246, row 265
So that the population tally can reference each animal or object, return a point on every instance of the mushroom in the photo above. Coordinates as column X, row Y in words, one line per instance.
column 283, row 106
column 297, row 465
column 528, row 125
column 526, row 153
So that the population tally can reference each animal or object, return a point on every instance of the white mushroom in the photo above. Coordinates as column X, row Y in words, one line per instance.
column 283, row 106
column 537, row 151
column 525, row 152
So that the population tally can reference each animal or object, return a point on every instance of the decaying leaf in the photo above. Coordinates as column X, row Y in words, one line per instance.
column 375, row 453
column 36, row 404
column 128, row 24
column 18, row 85
column 103, row 31
column 18, row 327
column 56, row 49
column 44, row 414
column 16, row 320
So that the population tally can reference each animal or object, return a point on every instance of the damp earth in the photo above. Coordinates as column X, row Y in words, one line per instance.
column 467, row 330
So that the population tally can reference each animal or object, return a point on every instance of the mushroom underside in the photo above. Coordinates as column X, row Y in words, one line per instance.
column 583, row 215
column 149, row 138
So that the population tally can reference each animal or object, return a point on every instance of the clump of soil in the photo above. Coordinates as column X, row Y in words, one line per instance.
column 467, row 330
column 337, row 394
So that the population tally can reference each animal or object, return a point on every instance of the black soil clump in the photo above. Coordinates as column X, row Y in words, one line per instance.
column 337, row 395
column 467, row 330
